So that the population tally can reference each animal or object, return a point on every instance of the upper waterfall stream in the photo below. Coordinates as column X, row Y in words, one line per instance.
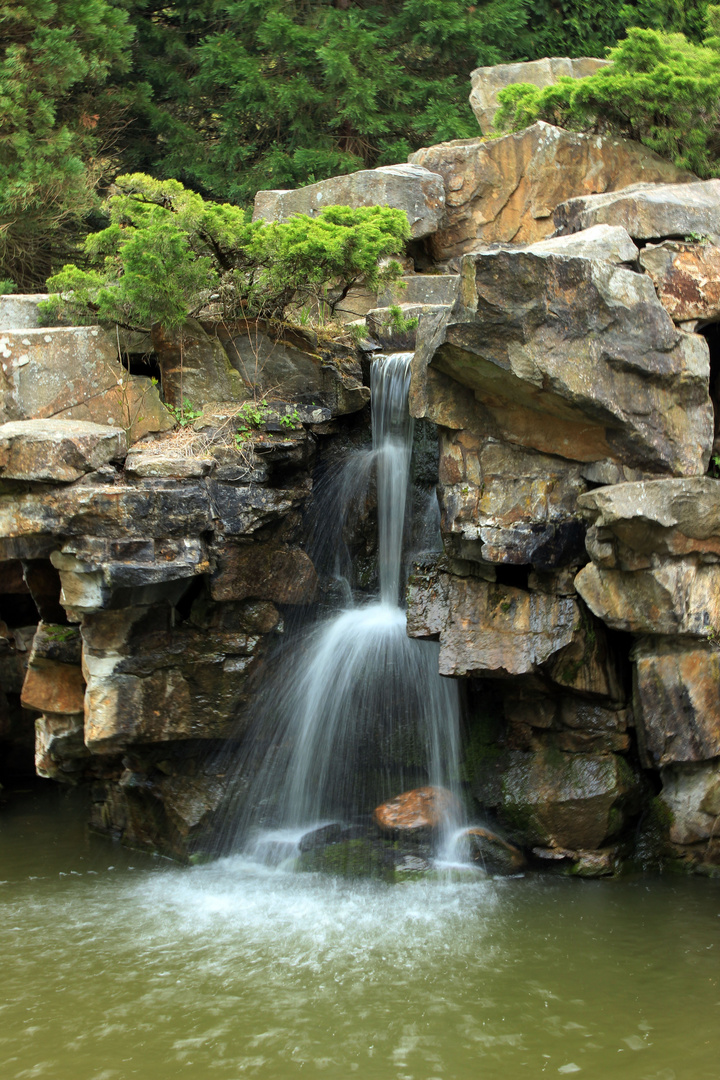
column 356, row 712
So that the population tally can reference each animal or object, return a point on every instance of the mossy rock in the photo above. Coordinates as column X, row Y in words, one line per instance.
column 351, row 859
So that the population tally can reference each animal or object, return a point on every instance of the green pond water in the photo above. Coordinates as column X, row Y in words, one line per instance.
column 118, row 965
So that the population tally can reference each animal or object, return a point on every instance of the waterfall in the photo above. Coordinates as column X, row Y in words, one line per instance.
column 356, row 713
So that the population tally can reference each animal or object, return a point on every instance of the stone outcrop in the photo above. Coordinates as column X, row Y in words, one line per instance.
column 73, row 373
column 686, row 277
column 507, row 189
column 417, row 811
column 57, row 450
column 487, row 82
column 416, row 190
column 648, row 211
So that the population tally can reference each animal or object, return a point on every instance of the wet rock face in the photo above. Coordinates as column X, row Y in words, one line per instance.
column 495, row 855
column 506, row 190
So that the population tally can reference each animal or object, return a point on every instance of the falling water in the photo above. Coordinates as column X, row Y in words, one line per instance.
column 357, row 713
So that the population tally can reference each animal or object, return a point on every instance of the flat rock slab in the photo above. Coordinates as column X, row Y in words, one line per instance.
column 416, row 190
column 487, row 82
column 506, row 190
column 648, row 211
column 686, row 277
column 57, row 450
column 610, row 243
column 19, row 311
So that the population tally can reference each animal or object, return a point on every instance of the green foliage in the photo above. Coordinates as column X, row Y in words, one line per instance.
column 184, row 414
column 662, row 89
column 397, row 322
column 167, row 252
column 56, row 124
column 245, row 95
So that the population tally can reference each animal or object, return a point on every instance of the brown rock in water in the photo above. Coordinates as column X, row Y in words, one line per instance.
column 422, row 808
column 506, row 190
column 496, row 855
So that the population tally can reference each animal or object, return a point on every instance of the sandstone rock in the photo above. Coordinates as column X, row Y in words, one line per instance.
column 264, row 572
column 692, row 795
column 687, row 278
column 485, row 628
column 146, row 462
column 569, row 723
column 507, row 189
column 487, row 82
column 514, row 505
column 57, row 450
column 494, row 854
column 19, row 311
column 60, row 752
column 296, row 370
column 648, row 211
column 74, row 374
column 679, row 597
column 569, row 356
column 422, row 809
column 677, row 701
column 406, row 187
column 633, row 524
column 195, row 367
column 575, row 801
column 53, row 687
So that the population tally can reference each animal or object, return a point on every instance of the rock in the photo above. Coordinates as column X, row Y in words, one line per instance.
column 324, row 834
column 264, row 572
column 151, row 679
column 487, row 82
column 417, row 811
column 19, row 311
column 681, row 597
column 295, row 368
column 73, row 373
column 54, row 682
column 513, row 505
column 146, row 462
column 633, row 524
column 575, row 801
column 421, row 289
column 57, row 450
column 60, row 752
column 686, row 277
column 648, row 211
column 383, row 328
column 677, row 701
column 611, row 243
column 405, row 187
column 692, row 795
column 507, row 189
column 568, row 356
column 570, row 723
column 195, row 367
column 350, row 858
column 494, row 854
column 485, row 628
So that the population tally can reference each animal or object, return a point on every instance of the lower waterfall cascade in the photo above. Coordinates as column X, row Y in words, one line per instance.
column 357, row 713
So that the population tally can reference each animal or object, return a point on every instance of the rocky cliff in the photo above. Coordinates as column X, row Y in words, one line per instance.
column 567, row 295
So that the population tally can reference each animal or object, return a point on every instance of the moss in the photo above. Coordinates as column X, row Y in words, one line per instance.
column 60, row 633
column 351, row 859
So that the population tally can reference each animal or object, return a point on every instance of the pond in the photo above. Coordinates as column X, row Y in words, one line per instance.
column 118, row 965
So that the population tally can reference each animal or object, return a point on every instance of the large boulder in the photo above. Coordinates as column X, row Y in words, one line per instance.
column 677, row 700
column 506, row 190
column 264, row 572
column 686, row 277
column 566, row 801
column 569, row 356
column 691, row 794
column 57, row 450
column 649, row 211
column 19, row 311
column 73, row 373
column 418, row 811
column 416, row 190
column 487, row 82
column 195, row 367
